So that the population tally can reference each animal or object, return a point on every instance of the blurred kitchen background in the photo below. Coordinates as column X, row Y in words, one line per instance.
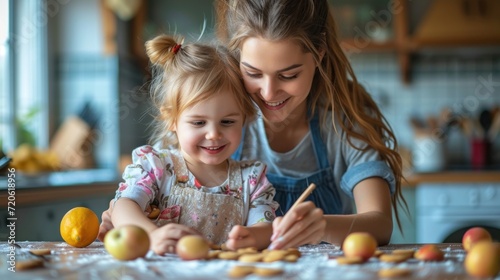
column 73, row 103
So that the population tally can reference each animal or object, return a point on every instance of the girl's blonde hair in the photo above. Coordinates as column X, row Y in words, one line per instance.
column 186, row 74
column 310, row 23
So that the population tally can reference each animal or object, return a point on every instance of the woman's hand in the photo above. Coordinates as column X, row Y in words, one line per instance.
column 256, row 236
column 106, row 224
column 164, row 239
column 301, row 225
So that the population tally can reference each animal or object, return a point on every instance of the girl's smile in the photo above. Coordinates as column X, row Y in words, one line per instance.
column 213, row 149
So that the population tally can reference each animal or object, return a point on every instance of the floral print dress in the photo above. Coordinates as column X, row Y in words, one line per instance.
column 159, row 179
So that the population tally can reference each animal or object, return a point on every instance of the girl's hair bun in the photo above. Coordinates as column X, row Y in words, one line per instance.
column 160, row 50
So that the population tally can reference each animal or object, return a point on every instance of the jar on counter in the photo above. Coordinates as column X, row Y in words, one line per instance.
column 428, row 154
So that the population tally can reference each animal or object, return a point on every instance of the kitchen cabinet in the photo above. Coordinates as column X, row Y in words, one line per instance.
column 384, row 26
column 375, row 26
column 443, row 205
column 41, row 222
column 41, row 201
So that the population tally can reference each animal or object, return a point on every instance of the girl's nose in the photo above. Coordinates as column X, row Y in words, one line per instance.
column 213, row 134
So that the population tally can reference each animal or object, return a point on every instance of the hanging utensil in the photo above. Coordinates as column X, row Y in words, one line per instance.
column 485, row 120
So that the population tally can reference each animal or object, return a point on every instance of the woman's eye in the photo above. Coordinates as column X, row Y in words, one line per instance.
column 253, row 75
column 288, row 77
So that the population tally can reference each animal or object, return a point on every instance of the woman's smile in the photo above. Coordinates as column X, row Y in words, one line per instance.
column 275, row 105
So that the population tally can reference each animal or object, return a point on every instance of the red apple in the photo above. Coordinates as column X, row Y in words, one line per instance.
column 429, row 252
column 192, row 247
column 359, row 244
column 127, row 242
column 483, row 259
column 473, row 235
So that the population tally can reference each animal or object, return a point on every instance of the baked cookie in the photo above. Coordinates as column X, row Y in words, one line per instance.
column 407, row 252
column 240, row 271
column 393, row 272
column 266, row 272
column 40, row 252
column 28, row 264
column 251, row 257
column 393, row 258
column 349, row 260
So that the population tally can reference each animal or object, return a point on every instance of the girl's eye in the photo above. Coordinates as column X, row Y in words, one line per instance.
column 198, row 123
column 228, row 122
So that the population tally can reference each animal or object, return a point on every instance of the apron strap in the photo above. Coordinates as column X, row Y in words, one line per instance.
column 180, row 168
column 319, row 146
column 237, row 154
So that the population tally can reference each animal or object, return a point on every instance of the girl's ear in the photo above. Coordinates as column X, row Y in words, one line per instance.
column 173, row 127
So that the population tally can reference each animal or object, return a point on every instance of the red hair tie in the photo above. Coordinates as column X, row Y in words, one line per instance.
column 176, row 48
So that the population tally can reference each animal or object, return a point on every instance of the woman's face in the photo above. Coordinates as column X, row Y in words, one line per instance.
column 278, row 76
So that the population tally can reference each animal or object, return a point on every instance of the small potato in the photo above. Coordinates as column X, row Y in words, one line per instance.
column 192, row 247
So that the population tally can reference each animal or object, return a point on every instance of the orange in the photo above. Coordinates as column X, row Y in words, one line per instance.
column 79, row 227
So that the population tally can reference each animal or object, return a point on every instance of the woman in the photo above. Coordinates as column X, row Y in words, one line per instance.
column 318, row 124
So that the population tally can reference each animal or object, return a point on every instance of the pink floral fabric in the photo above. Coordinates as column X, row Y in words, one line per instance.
column 150, row 178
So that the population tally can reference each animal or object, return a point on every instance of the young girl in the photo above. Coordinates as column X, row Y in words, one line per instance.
column 192, row 187
column 319, row 125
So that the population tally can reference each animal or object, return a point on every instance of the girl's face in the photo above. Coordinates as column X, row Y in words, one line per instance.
column 210, row 131
column 278, row 76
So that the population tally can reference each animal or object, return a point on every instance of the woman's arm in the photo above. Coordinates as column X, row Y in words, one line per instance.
column 374, row 214
column 306, row 224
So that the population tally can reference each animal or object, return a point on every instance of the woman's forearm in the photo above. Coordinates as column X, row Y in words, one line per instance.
column 376, row 223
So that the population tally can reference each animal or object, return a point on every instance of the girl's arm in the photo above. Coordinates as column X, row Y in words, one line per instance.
column 261, row 212
column 127, row 211
column 257, row 235
column 162, row 239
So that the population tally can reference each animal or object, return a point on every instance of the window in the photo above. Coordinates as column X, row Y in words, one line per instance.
column 6, row 112
column 23, row 74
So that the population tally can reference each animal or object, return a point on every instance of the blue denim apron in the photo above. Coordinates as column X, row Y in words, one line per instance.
column 326, row 195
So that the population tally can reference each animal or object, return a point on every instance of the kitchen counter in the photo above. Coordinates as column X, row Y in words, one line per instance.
column 317, row 262
column 56, row 186
column 452, row 176
column 50, row 187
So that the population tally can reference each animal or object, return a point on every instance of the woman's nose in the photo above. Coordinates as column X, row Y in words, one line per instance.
column 268, row 89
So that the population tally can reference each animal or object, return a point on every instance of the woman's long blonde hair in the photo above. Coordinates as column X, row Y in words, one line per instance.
column 185, row 74
column 310, row 23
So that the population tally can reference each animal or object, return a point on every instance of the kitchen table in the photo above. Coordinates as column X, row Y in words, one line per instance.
column 316, row 262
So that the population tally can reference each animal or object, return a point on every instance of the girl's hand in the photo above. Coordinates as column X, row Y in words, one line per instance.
column 257, row 236
column 304, row 224
column 240, row 237
column 106, row 224
column 164, row 239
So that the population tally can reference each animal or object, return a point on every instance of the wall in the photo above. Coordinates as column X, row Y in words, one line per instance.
column 186, row 17
column 464, row 82
column 82, row 73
